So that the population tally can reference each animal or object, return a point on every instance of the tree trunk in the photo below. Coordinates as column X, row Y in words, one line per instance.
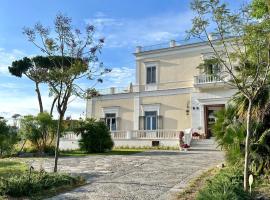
column 52, row 107
column 39, row 98
column 61, row 116
column 22, row 147
column 246, row 171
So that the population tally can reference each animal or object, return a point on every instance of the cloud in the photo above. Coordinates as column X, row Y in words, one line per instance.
column 7, row 57
column 143, row 31
column 119, row 77
column 126, row 33
column 27, row 104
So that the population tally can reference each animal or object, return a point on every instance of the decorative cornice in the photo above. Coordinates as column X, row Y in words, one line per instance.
column 145, row 94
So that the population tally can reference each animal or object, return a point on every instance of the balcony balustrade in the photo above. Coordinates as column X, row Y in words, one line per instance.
column 207, row 80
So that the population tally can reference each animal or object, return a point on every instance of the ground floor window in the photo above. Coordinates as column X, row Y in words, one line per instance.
column 150, row 118
column 110, row 119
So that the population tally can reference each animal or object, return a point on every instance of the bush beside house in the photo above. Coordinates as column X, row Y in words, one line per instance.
column 95, row 136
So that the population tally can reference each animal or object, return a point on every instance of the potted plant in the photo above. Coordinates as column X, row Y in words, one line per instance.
column 185, row 147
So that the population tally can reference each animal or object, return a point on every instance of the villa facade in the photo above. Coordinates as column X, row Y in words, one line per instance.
column 170, row 94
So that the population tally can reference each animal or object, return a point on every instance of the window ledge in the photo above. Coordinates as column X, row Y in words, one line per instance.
column 151, row 87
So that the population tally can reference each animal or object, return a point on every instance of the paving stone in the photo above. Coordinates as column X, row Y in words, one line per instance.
column 149, row 175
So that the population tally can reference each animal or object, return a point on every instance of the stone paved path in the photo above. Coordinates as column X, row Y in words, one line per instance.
column 144, row 176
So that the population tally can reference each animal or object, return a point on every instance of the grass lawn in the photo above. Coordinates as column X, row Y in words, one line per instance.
column 8, row 168
column 113, row 152
column 14, row 182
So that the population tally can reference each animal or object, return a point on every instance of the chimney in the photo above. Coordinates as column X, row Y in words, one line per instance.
column 112, row 90
column 172, row 43
column 138, row 49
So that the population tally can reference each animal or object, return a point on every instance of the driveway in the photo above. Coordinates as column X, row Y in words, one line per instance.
column 143, row 176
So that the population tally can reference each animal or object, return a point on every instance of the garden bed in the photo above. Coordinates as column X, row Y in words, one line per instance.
column 195, row 185
column 17, row 181
column 225, row 183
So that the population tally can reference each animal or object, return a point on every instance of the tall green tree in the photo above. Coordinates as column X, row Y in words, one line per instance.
column 36, row 69
column 28, row 68
column 241, row 46
column 78, row 49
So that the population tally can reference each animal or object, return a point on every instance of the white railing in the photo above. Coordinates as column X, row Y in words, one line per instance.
column 72, row 136
column 142, row 134
column 155, row 134
column 152, row 134
column 205, row 78
column 119, row 134
column 145, row 87
column 172, row 43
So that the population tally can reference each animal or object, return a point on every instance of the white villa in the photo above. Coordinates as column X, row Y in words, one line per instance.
column 170, row 94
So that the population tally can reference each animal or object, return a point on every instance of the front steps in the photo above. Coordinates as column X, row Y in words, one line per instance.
column 204, row 144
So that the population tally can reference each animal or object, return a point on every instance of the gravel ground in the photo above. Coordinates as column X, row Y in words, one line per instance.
column 143, row 176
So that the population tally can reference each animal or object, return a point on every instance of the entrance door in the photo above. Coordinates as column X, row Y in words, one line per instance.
column 209, row 117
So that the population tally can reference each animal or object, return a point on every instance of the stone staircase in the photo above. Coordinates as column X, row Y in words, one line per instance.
column 204, row 144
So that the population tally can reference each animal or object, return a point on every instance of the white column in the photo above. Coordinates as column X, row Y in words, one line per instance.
column 90, row 108
column 136, row 112
column 129, row 134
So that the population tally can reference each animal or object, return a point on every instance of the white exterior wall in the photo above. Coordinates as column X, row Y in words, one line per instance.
column 145, row 143
column 207, row 97
column 72, row 144
column 171, row 96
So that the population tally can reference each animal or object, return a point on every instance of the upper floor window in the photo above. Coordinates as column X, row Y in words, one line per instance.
column 210, row 66
column 213, row 68
column 151, row 75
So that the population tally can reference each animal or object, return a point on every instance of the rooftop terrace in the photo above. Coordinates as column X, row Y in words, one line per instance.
column 171, row 44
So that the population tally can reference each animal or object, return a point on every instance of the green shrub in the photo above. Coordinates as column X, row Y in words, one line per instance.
column 25, row 184
column 39, row 130
column 229, row 133
column 260, row 154
column 8, row 138
column 95, row 136
column 49, row 150
column 227, row 184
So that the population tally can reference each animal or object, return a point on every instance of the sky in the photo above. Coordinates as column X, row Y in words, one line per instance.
column 125, row 24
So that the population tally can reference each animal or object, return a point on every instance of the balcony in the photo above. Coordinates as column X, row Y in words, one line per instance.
column 208, row 81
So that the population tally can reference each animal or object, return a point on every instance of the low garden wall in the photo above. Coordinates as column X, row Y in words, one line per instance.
column 71, row 144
